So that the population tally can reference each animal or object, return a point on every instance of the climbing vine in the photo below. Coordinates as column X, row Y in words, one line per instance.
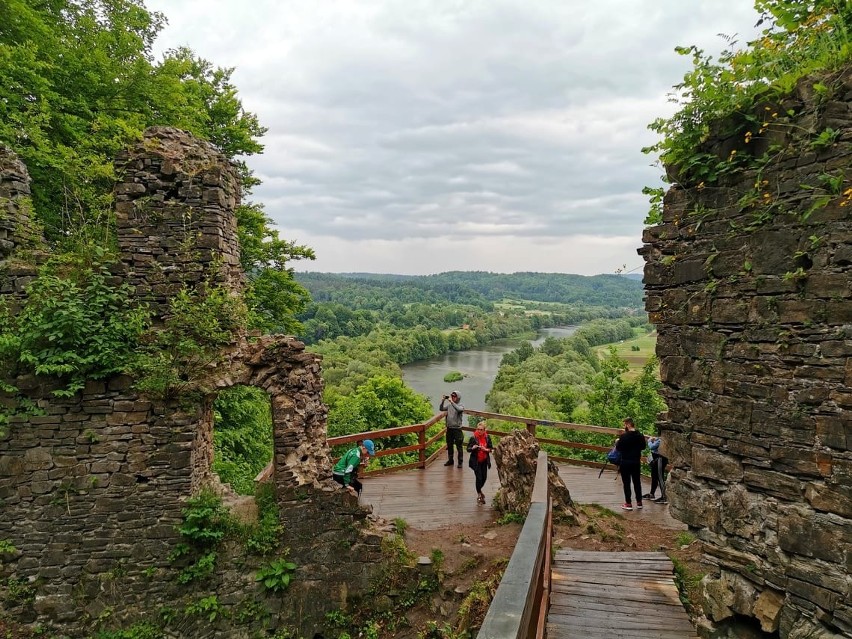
column 798, row 38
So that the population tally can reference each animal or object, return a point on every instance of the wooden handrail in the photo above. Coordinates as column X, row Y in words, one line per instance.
column 588, row 428
column 520, row 603
column 425, row 442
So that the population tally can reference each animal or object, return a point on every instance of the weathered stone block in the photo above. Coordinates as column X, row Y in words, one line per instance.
column 814, row 535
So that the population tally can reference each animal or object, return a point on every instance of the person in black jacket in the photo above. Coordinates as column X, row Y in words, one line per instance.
column 630, row 444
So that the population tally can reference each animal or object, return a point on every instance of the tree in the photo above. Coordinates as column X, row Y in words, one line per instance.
column 79, row 83
column 381, row 402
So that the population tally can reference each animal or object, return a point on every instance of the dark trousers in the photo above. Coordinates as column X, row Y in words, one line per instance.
column 480, row 471
column 630, row 473
column 658, row 474
column 455, row 437
column 353, row 481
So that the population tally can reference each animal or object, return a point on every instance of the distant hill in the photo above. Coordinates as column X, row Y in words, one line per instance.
column 477, row 287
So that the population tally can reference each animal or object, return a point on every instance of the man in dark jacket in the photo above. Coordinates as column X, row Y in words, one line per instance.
column 630, row 444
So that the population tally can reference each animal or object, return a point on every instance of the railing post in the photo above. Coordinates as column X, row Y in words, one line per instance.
column 531, row 428
column 421, row 439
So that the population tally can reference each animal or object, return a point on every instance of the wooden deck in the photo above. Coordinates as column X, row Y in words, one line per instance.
column 621, row 595
column 436, row 497
column 442, row 496
column 607, row 491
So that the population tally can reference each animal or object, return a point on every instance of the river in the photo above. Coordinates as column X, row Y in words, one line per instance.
column 478, row 365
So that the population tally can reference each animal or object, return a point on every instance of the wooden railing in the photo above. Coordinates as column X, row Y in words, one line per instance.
column 519, row 607
column 424, row 443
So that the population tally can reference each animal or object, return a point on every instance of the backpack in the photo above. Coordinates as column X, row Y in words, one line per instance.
column 613, row 456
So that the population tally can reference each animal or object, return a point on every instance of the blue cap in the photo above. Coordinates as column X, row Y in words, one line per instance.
column 368, row 444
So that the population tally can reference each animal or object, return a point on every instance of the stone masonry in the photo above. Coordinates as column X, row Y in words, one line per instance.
column 18, row 233
column 92, row 489
column 749, row 282
column 169, row 209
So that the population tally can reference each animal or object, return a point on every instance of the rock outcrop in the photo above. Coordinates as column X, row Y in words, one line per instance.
column 516, row 457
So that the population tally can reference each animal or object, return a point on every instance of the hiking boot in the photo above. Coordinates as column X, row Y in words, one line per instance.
column 626, row 506
column 449, row 462
column 661, row 500
column 648, row 496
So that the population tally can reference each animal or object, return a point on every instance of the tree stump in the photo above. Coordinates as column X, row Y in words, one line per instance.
column 516, row 457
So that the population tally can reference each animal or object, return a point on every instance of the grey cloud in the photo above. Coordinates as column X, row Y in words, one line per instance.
column 404, row 119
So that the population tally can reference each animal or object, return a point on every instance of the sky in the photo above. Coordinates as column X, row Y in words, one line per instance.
column 423, row 136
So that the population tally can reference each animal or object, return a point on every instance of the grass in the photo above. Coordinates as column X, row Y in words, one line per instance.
column 636, row 359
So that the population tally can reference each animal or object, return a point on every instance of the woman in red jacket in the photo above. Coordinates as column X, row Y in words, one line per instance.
column 479, row 446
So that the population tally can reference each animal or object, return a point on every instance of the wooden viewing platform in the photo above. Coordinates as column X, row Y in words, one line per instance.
column 440, row 496
column 611, row 595
column 615, row 595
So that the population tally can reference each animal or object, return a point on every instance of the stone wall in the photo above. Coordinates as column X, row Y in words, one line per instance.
column 749, row 282
column 175, row 215
column 93, row 488
column 18, row 233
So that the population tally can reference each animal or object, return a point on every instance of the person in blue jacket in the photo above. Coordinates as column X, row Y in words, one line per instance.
column 658, row 463
column 345, row 471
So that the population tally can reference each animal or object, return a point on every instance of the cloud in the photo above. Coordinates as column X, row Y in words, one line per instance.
column 508, row 130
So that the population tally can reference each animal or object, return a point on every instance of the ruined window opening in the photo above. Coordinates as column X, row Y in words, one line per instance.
column 242, row 436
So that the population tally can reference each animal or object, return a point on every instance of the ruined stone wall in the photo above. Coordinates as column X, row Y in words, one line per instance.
column 93, row 488
column 175, row 216
column 749, row 282
column 18, row 233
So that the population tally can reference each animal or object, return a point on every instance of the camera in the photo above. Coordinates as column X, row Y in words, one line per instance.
column 446, row 396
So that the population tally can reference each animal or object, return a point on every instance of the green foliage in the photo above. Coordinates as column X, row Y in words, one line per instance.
column 208, row 607
column 552, row 381
column 18, row 591
column 475, row 604
column 453, row 376
column 381, row 402
column 655, row 198
column 447, row 299
column 176, row 358
column 799, row 38
column 511, row 518
column 400, row 525
column 205, row 520
column 684, row 539
column 242, row 436
column 6, row 546
column 396, row 559
column 203, row 567
column 142, row 630
column 612, row 398
column 276, row 575
column 825, row 139
column 274, row 297
column 79, row 83
column 263, row 537
column 75, row 324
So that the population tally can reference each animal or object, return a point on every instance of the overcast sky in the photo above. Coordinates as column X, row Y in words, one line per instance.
column 421, row 136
